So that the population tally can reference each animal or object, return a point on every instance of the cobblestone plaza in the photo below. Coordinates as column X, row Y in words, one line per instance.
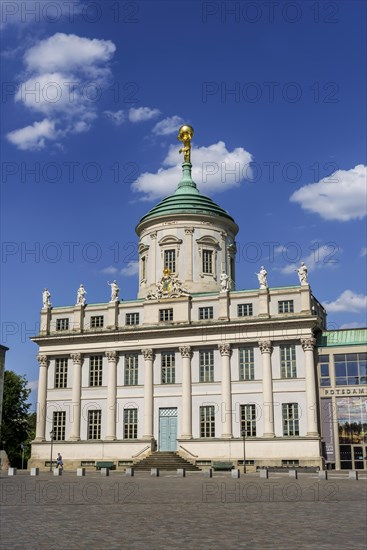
column 114, row 512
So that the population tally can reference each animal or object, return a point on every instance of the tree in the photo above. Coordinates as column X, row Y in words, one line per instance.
column 16, row 427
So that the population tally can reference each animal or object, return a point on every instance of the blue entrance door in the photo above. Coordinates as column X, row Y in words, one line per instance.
column 167, row 429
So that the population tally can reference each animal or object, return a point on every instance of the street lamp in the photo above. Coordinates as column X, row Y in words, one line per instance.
column 243, row 433
column 52, row 436
column 22, row 448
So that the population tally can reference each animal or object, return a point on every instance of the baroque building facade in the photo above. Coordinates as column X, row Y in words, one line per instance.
column 192, row 365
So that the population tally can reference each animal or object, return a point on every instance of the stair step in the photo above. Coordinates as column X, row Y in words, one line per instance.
column 165, row 460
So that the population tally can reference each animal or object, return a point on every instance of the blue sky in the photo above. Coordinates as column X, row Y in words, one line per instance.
column 93, row 96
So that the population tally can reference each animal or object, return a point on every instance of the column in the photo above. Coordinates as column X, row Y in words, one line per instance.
column 223, row 259
column 186, row 353
column 111, row 396
column 42, row 398
column 308, row 345
column 225, row 351
column 188, row 253
column 268, row 406
column 75, row 397
column 153, row 261
column 148, row 393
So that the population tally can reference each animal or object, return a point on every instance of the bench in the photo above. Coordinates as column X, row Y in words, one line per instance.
column 102, row 464
column 216, row 465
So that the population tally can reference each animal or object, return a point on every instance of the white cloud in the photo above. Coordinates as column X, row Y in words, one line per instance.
column 168, row 126
column 142, row 113
column 347, row 301
column 32, row 385
column 33, row 137
column 323, row 256
column 66, row 75
column 363, row 251
column 117, row 117
column 226, row 172
column 131, row 269
column 341, row 196
column 110, row 270
column 351, row 325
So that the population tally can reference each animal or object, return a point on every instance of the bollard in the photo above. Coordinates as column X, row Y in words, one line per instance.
column 12, row 472
column 129, row 472
column 154, row 472
column 105, row 472
column 235, row 473
column 181, row 472
column 353, row 474
column 57, row 471
column 208, row 473
column 80, row 472
column 293, row 473
column 35, row 471
column 323, row 474
column 264, row 474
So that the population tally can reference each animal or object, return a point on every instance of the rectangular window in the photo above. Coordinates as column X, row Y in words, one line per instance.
column 94, row 424
column 288, row 368
column 170, row 260
column 207, row 421
column 206, row 359
column 324, row 370
column 248, row 420
column 350, row 369
column 95, row 370
column 168, row 367
column 132, row 318
column 143, row 269
column 62, row 324
column 96, row 321
column 285, row 306
column 205, row 313
column 247, row 365
column 208, row 261
column 290, row 419
column 244, row 310
column 58, row 426
column 166, row 314
column 131, row 369
column 61, row 372
column 130, row 423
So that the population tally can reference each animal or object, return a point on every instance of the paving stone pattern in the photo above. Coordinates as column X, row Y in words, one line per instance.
column 170, row 512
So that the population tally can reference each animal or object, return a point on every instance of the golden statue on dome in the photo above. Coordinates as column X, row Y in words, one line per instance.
column 185, row 134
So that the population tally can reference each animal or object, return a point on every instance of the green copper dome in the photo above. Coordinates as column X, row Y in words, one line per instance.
column 186, row 199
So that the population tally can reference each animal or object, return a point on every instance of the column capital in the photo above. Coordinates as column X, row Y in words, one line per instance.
column 153, row 235
column 308, row 344
column 111, row 356
column 43, row 360
column 186, row 351
column 225, row 349
column 76, row 358
column 189, row 230
column 148, row 354
column 265, row 346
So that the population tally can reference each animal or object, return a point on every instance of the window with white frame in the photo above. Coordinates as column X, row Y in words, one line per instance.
column 131, row 369
column 207, row 261
column 246, row 363
column 143, row 268
column 132, row 318
column 207, row 421
column 61, row 372
column 285, row 306
column 165, row 315
column 248, row 419
column 324, row 370
column 205, row 313
column 62, row 324
column 94, row 424
column 168, row 369
column 130, row 423
column 206, row 366
column 290, row 419
column 244, row 310
column 170, row 260
column 96, row 321
column 288, row 367
column 58, row 425
column 95, row 370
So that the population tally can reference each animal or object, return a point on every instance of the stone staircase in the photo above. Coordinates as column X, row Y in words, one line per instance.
column 165, row 461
